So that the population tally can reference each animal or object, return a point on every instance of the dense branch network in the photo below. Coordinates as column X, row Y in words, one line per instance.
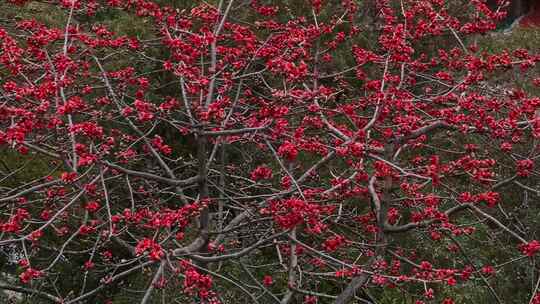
column 322, row 147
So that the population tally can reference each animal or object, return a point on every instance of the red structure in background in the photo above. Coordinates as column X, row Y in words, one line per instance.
column 532, row 18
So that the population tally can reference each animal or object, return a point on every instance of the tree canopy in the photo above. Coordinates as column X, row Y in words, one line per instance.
column 286, row 151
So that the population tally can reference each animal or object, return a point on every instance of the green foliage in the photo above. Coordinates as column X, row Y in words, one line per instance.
column 519, row 37
column 18, row 168
column 40, row 11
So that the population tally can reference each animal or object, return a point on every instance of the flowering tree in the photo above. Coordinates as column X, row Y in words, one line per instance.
column 262, row 152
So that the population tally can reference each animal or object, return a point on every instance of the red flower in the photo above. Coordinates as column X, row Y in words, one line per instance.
column 488, row 270
column 92, row 206
column 196, row 283
column 267, row 280
column 286, row 182
column 88, row 265
column 45, row 214
column 36, row 235
column 536, row 299
column 531, row 248
column 161, row 146
column 288, row 151
column 24, row 263
column 451, row 281
column 156, row 253
column 261, row 172
column 429, row 294
column 85, row 229
column 426, row 266
column 68, row 177
column 490, row 198
column 333, row 243
column 29, row 274
column 524, row 167
column 106, row 255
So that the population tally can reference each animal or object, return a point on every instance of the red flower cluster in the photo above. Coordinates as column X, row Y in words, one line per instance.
column 14, row 223
column 156, row 253
column 536, row 299
column 261, row 172
column 333, row 243
column 490, row 198
column 531, row 248
column 92, row 206
column 161, row 146
column 267, row 280
column 418, row 116
column 292, row 212
column 288, row 150
column 29, row 274
column 196, row 283
column 524, row 167
column 88, row 129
